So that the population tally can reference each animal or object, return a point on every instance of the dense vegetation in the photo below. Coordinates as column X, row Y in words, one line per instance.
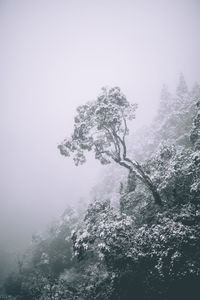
column 146, row 243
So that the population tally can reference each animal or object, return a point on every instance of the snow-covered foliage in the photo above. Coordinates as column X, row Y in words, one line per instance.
column 99, row 126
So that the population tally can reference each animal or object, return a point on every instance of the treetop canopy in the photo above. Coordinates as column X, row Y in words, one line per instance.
column 99, row 126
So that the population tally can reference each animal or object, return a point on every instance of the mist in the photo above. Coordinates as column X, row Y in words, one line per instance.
column 56, row 55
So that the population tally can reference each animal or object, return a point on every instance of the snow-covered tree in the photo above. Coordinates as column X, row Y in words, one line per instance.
column 182, row 89
column 102, row 126
column 195, row 133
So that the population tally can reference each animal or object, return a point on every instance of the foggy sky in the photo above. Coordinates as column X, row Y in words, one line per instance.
column 55, row 55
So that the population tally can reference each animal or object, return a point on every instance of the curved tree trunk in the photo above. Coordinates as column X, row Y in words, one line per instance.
column 142, row 176
column 149, row 184
column 134, row 166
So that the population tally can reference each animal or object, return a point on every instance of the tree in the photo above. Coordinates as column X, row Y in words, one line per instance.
column 182, row 89
column 165, row 106
column 195, row 132
column 101, row 126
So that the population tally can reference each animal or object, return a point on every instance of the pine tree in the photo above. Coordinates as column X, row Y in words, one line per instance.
column 182, row 89
column 195, row 133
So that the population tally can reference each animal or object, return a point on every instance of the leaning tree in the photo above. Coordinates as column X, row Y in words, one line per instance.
column 101, row 126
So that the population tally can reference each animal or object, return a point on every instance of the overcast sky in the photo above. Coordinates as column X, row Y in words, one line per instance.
column 55, row 55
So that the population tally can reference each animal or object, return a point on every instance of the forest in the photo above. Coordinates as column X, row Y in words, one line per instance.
column 138, row 237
